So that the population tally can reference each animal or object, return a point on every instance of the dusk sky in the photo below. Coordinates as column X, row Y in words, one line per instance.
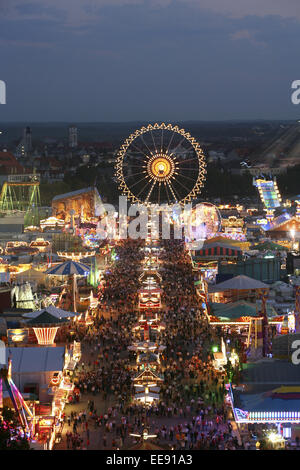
column 165, row 60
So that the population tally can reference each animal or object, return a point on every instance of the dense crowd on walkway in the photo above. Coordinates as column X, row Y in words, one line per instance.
column 190, row 412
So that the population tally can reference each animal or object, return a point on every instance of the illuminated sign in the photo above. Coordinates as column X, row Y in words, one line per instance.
column 17, row 335
column 261, row 222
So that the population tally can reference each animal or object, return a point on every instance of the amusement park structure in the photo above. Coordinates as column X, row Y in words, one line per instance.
column 160, row 164
column 20, row 194
column 268, row 192
column 23, row 411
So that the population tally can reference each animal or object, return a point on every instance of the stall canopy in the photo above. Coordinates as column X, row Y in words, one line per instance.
column 269, row 246
column 69, row 268
column 31, row 275
column 235, row 310
column 219, row 249
column 239, row 283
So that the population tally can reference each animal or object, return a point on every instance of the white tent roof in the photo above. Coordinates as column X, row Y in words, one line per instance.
column 31, row 273
column 239, row 283
column 36, row 359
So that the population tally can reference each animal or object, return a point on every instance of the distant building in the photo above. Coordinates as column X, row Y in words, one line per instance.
column 24, row 148
column 262, row 269
column 283, row 227
column 9, row 165
column 73, row 137
column 27, row 137
column 86, row 204
column 237, row 288
column 214, row 156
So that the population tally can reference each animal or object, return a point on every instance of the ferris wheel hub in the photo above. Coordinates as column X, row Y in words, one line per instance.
column 161, row 167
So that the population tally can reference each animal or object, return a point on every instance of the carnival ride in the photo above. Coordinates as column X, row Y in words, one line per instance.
column 21, row 194
column 160, row 163
column 268, row 192
column 202, row 222
column 22, row 410
column 20, row 248
column 41, row 244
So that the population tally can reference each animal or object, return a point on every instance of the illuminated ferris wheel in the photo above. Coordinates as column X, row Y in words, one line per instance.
column 160, row 164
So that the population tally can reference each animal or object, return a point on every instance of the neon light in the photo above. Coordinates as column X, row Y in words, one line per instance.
column 45, row 336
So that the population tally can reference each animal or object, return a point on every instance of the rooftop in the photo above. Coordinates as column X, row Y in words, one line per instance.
column 36, row 359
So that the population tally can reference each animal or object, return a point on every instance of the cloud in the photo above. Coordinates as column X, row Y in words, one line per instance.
column 242, row 8
column 70, row 12
column 21, row 43
column 246, row 34
column 242, row 34
column 82, row 12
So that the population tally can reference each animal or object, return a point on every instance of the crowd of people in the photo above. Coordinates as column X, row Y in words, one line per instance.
column 190, row 412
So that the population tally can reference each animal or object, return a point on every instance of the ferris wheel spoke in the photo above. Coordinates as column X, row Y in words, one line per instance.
column 166, row 189
column 138, row 166
column 137, row 182
column 189, row 169
column 189, row 160
column 143, row 189
column 172, row 136
column 183, row 186
column 187, row 177
column 159, row 193
column 162, row 141
column 153, row 142
column 175, row 191
column 135, row 174
column 172, row 191
column 143, row 140
column 182, row 140
column 189, row 149
column 150, row 191
column 139, row 150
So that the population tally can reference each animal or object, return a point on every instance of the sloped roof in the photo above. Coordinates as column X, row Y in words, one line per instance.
column 281, row 221
column 259, row 402
column 269, row 246
column 31, row 273
column 271, row 372
column 78, row 192
column 234, row 310
column 52, row 310
column 224, row 241
column 9, row 162
column 238, row 283
column 36, row 359
column 49, row 315
column 68, row 268
column 45, row 318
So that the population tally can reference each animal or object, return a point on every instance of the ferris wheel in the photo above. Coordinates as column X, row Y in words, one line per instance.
column 160, row 164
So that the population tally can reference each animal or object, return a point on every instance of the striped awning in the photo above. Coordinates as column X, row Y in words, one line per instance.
column 219, row 251
column 69, row 268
